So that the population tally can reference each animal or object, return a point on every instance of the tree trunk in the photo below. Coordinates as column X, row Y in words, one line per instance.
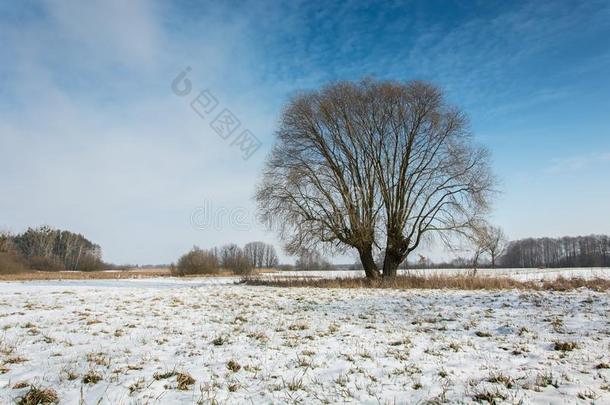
column 390, row 263
column 368, row 263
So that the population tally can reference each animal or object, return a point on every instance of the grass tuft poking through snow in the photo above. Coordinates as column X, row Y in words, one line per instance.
column 38, row 396
column 184, row 381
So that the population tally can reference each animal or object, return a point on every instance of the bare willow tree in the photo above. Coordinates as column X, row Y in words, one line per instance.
column 494, row 242
column 373, row 164
column 318, row 186
column 487, row 239
column 478, row 241
column 432, row 179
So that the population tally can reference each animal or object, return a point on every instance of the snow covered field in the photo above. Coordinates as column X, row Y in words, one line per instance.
column 124, row 342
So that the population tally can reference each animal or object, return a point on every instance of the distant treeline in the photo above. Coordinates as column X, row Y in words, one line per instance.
column 48, row 249
column 579, row 251
column 568, row 251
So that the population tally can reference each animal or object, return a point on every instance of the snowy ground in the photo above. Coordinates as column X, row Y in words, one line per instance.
column 244, row 344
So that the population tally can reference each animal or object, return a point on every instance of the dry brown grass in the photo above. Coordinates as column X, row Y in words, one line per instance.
column 91, row 377
column 233, row 366
column 84, row 275
column 165, row 374
column 38, row 396
column 435, row 282
column 184, row 381
column 97, row 275
column 565, row 346
column 108, row 275
column 11, row 264
column 567, row 284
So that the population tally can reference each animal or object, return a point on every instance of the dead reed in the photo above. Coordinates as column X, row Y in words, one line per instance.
column 434, row 282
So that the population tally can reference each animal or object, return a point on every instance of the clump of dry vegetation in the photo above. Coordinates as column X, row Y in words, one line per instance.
column 499, row 378
column 219, row 341
column 435, row 281
column 545, row 379
column 489, row 396
column 184, row 381
column 39, row 396
column 565, row 346
column 233, row 366
column 164, row 375
column 91, row 377
column 21, row 384
column 602, row 366
column 15, row 360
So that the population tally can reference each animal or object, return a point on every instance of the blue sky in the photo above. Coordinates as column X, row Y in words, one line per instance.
column 92, row 139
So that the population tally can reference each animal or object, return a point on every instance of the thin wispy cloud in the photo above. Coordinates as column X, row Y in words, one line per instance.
column 576, row 164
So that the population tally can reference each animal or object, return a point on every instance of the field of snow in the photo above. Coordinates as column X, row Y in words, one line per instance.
column 138, row 341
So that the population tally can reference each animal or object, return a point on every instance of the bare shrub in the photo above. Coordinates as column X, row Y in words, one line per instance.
column 234, row 259
column 90, row 263
column 197, row 261
column 11, row 263
column 44, row 263
column 241, row 265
